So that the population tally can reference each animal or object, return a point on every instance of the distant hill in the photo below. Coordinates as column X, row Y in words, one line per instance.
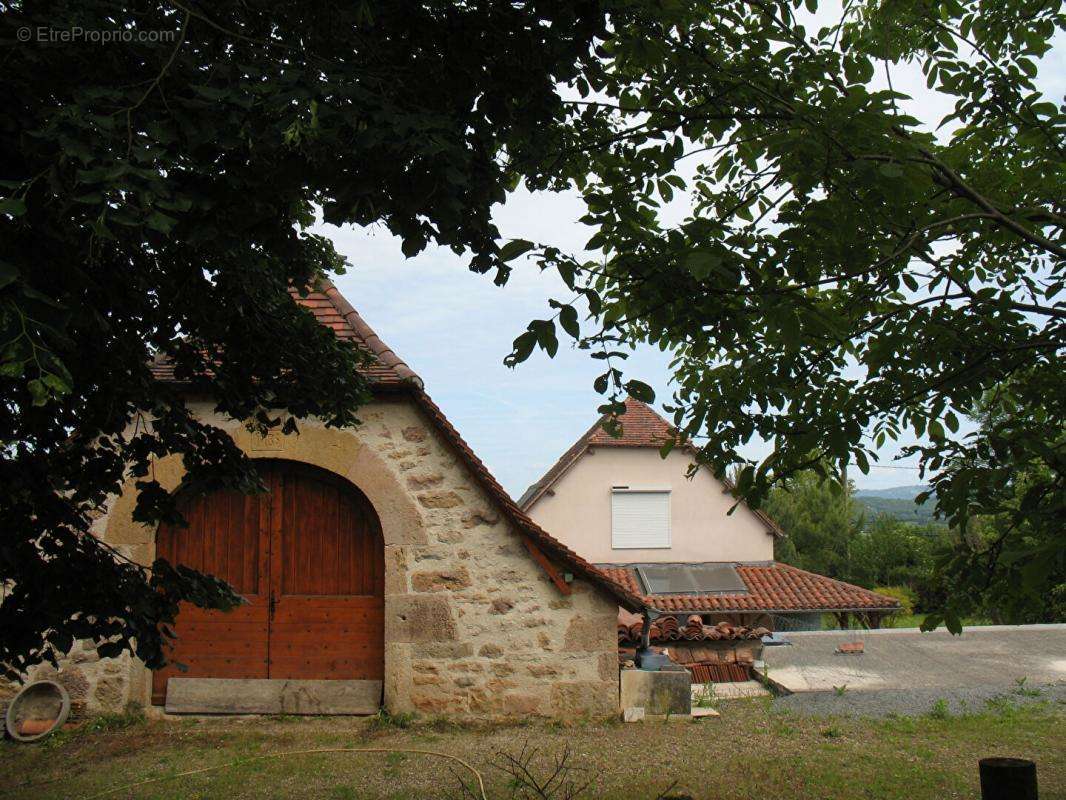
column 893, row 492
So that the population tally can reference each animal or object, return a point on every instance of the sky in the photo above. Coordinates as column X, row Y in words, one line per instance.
column 454, row 327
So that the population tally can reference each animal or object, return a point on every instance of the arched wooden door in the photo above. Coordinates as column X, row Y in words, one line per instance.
column 309, row 559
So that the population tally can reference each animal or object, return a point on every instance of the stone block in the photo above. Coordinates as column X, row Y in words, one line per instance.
column 633, row 714
column 584, row 699
column 501, row 605
column 440, row 499
column 480, row 516
column 607, row 666
column 446, row 650
column 591, row 634
column 419, row 618
column 425, row 480
column 658, row 693
column 441, row 580
column 265, row 696
column 413, row 433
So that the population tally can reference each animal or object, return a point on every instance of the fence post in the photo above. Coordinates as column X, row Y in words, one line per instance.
column 1007, row 779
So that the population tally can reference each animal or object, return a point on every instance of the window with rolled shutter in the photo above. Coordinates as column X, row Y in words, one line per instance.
column 640, row 518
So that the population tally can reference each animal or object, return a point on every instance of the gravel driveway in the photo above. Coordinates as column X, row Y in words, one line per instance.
column 916, row 702
column 904, row 671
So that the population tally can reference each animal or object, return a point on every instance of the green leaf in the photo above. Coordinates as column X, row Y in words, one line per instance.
column 514, row 248
column 568, row 319
column 158, row 221
column 522, row 348
column 639, row 390
column 412, row 245
column 38, row 392
column 9, row 273
column 15, row 206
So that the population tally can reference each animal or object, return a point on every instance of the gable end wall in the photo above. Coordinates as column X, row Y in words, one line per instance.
column 473, row 627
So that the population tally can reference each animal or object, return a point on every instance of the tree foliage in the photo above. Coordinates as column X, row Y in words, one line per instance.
column 848, row 274
column 1009, row 562
column 820, row 524
column 157, row 194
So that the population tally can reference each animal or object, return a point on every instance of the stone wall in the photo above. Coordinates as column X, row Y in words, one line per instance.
column 473, row 626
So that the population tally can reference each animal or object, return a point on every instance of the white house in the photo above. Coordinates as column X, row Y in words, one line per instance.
column 671, row 539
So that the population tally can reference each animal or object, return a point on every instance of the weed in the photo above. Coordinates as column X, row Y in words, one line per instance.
column 840, row 689
column 940, row 709
column 832, row 732
column 705, row 697
column 1001, row 704
column 1022, row 690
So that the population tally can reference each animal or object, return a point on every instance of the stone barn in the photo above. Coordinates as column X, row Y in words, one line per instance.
column 386, row 566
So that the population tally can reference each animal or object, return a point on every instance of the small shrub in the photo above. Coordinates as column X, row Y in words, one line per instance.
column 907, row 600
column 840, row 690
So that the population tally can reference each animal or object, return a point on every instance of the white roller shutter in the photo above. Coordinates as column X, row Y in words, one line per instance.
column 640, row 519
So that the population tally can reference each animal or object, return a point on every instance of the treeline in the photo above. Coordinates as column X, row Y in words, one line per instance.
column 834, row 533
column 898, row 508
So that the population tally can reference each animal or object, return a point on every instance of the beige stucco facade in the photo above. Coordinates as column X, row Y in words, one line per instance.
column 577, row 510
column 474, row 628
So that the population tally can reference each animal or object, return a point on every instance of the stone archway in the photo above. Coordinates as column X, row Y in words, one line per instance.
column 348, row 454
column 308, row 557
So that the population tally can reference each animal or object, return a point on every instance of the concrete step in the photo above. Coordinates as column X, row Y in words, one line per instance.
column 271, row 696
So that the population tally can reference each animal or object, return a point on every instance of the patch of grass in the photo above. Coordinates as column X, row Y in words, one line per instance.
column 130, row 718
column 896, row 758
column 383, row 720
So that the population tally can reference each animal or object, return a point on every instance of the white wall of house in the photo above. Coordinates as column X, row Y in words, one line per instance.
column 579, row 510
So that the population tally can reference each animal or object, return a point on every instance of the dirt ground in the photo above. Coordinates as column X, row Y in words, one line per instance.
column 755, row 749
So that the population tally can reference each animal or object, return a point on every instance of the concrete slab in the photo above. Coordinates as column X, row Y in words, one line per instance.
column 267, row 696
column 906, row 658
column 658, row 693
column 731, row 691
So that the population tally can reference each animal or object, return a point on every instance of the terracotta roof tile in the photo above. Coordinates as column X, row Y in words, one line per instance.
column 332, row 310
column 641, row 427
column 668, row 629
column 771, row 587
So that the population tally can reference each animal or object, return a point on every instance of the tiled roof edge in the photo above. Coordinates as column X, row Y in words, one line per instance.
column 890, row 602
column 685, row 604
column 380, row 350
